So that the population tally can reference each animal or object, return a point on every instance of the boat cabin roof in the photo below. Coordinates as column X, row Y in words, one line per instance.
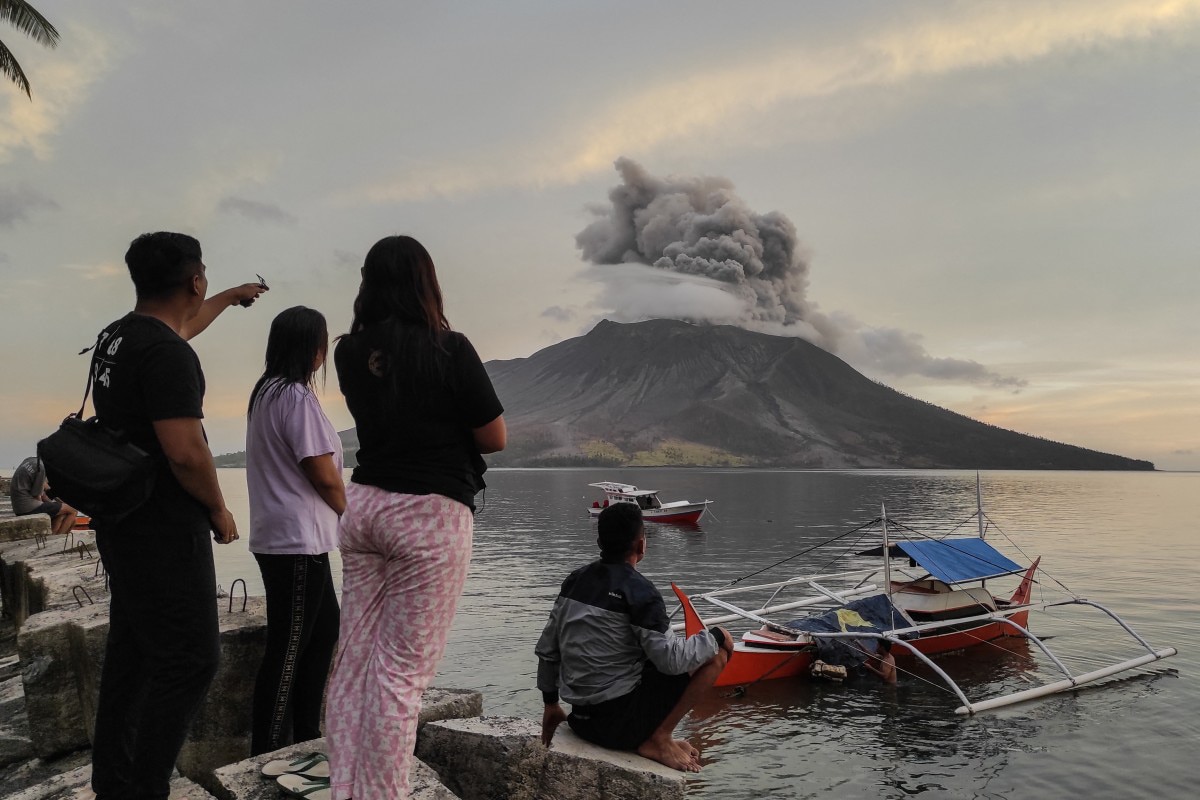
column 954, row 560
column 623, row 489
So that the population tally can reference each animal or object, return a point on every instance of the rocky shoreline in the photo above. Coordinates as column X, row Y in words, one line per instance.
column 53, row 627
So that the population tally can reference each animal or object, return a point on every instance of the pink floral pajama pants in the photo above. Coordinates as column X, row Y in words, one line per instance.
column 404, row 562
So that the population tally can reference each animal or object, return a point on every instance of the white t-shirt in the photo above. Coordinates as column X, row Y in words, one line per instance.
column 287, row 516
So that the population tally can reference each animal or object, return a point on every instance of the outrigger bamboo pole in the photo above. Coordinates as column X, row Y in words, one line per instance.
column 1063, row 685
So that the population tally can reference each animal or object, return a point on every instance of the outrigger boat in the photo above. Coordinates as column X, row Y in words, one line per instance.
column 922, row 614
column 653, row 509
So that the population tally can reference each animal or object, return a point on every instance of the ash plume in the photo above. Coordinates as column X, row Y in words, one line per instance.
column 688, row 247
column 699, row 226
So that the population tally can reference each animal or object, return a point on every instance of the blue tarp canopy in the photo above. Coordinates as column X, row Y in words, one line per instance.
column 956, row 560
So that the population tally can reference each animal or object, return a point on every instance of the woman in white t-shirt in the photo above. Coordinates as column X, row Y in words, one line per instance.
column 294, row 478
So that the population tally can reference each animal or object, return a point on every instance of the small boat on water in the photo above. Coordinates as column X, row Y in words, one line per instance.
column 653, row 509
column 938, row 605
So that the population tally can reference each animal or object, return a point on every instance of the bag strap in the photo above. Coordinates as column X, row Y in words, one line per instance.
column 95, row 348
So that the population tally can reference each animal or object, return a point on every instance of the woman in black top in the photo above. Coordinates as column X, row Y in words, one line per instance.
column 425, row 410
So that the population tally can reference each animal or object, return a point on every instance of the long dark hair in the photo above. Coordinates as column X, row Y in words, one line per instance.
column 298, row 335
column 399, row 283
column 399, row 306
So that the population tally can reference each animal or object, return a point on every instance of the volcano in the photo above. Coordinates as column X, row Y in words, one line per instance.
column 668, row 392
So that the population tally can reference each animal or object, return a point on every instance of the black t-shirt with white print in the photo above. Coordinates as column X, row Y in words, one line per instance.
column 146, row 372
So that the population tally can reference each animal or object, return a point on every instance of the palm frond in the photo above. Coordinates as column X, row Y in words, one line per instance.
column 28, row 21
column 12, row 70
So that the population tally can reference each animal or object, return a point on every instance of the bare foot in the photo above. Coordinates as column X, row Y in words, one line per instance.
column 689, row 752
column 666, row 752
column 687, row 747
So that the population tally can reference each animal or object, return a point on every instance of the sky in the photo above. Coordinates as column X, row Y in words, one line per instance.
column 988, row 206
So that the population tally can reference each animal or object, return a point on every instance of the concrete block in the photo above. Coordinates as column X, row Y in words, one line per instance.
column 579, row 770
column 485, row 758
column 244, row 781
column 490, row 758
column 35, row 579
column 62, row 653
column 15, row 745
column 220, row 733
column 13, row 529
column 24, row 774
column 61, row 676
column 76, row 785
column 438, row 704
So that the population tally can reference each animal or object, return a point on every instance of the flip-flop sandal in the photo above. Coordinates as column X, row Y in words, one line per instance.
column 311, row 765
column 299, row 786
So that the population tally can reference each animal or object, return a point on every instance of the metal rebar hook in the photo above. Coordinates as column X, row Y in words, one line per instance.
column 84, row 550
column 100, row 566
column 75, row 590
column 245, row 594
column 70, row 537
column 40, row 540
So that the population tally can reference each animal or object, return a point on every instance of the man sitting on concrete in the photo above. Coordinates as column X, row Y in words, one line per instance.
column 28, row 493
column 608, row 649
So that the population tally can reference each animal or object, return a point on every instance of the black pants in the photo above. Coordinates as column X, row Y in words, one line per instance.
column 160, row 658
column 624, row 722
column 302, row 632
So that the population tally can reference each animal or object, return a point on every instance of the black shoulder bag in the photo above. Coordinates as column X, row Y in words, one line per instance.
column 94, row 468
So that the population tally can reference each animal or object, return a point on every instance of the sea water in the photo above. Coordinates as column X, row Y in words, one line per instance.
column 1126, row 540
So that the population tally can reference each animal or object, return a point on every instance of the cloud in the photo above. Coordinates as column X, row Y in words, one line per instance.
column 729, row 98
column 634, row 292
column 558, row 314
column 217, row 182
column 61, row 80
column 690, row 248
column 890, row 351
column 256, row 211
column 102, row 271
column 17, row 203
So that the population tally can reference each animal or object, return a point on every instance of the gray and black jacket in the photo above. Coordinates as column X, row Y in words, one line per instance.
column 607, row 621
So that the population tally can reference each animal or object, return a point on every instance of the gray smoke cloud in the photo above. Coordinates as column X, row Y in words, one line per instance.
column 256, row 211
column 16, row 204
column 699, row 226
column 688, row 247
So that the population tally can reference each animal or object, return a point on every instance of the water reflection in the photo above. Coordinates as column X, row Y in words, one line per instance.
column 1122, row 539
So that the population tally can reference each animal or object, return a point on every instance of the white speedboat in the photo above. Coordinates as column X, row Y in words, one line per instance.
column 653, row 509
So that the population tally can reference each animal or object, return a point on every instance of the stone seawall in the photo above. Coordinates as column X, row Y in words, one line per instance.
column 54, row 601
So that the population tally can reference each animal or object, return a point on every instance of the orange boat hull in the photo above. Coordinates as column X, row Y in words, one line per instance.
column 750, row 664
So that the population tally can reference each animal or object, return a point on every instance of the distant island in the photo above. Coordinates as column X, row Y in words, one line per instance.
column 670, row 393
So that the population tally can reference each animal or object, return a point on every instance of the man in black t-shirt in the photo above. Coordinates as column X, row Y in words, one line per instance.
column 162, row 647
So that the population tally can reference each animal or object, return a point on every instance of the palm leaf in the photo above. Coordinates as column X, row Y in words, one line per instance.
column 12, row 70
column 28, row 21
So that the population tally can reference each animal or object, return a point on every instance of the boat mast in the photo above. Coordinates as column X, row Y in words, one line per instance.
column 887, row 551
column 979, row 506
